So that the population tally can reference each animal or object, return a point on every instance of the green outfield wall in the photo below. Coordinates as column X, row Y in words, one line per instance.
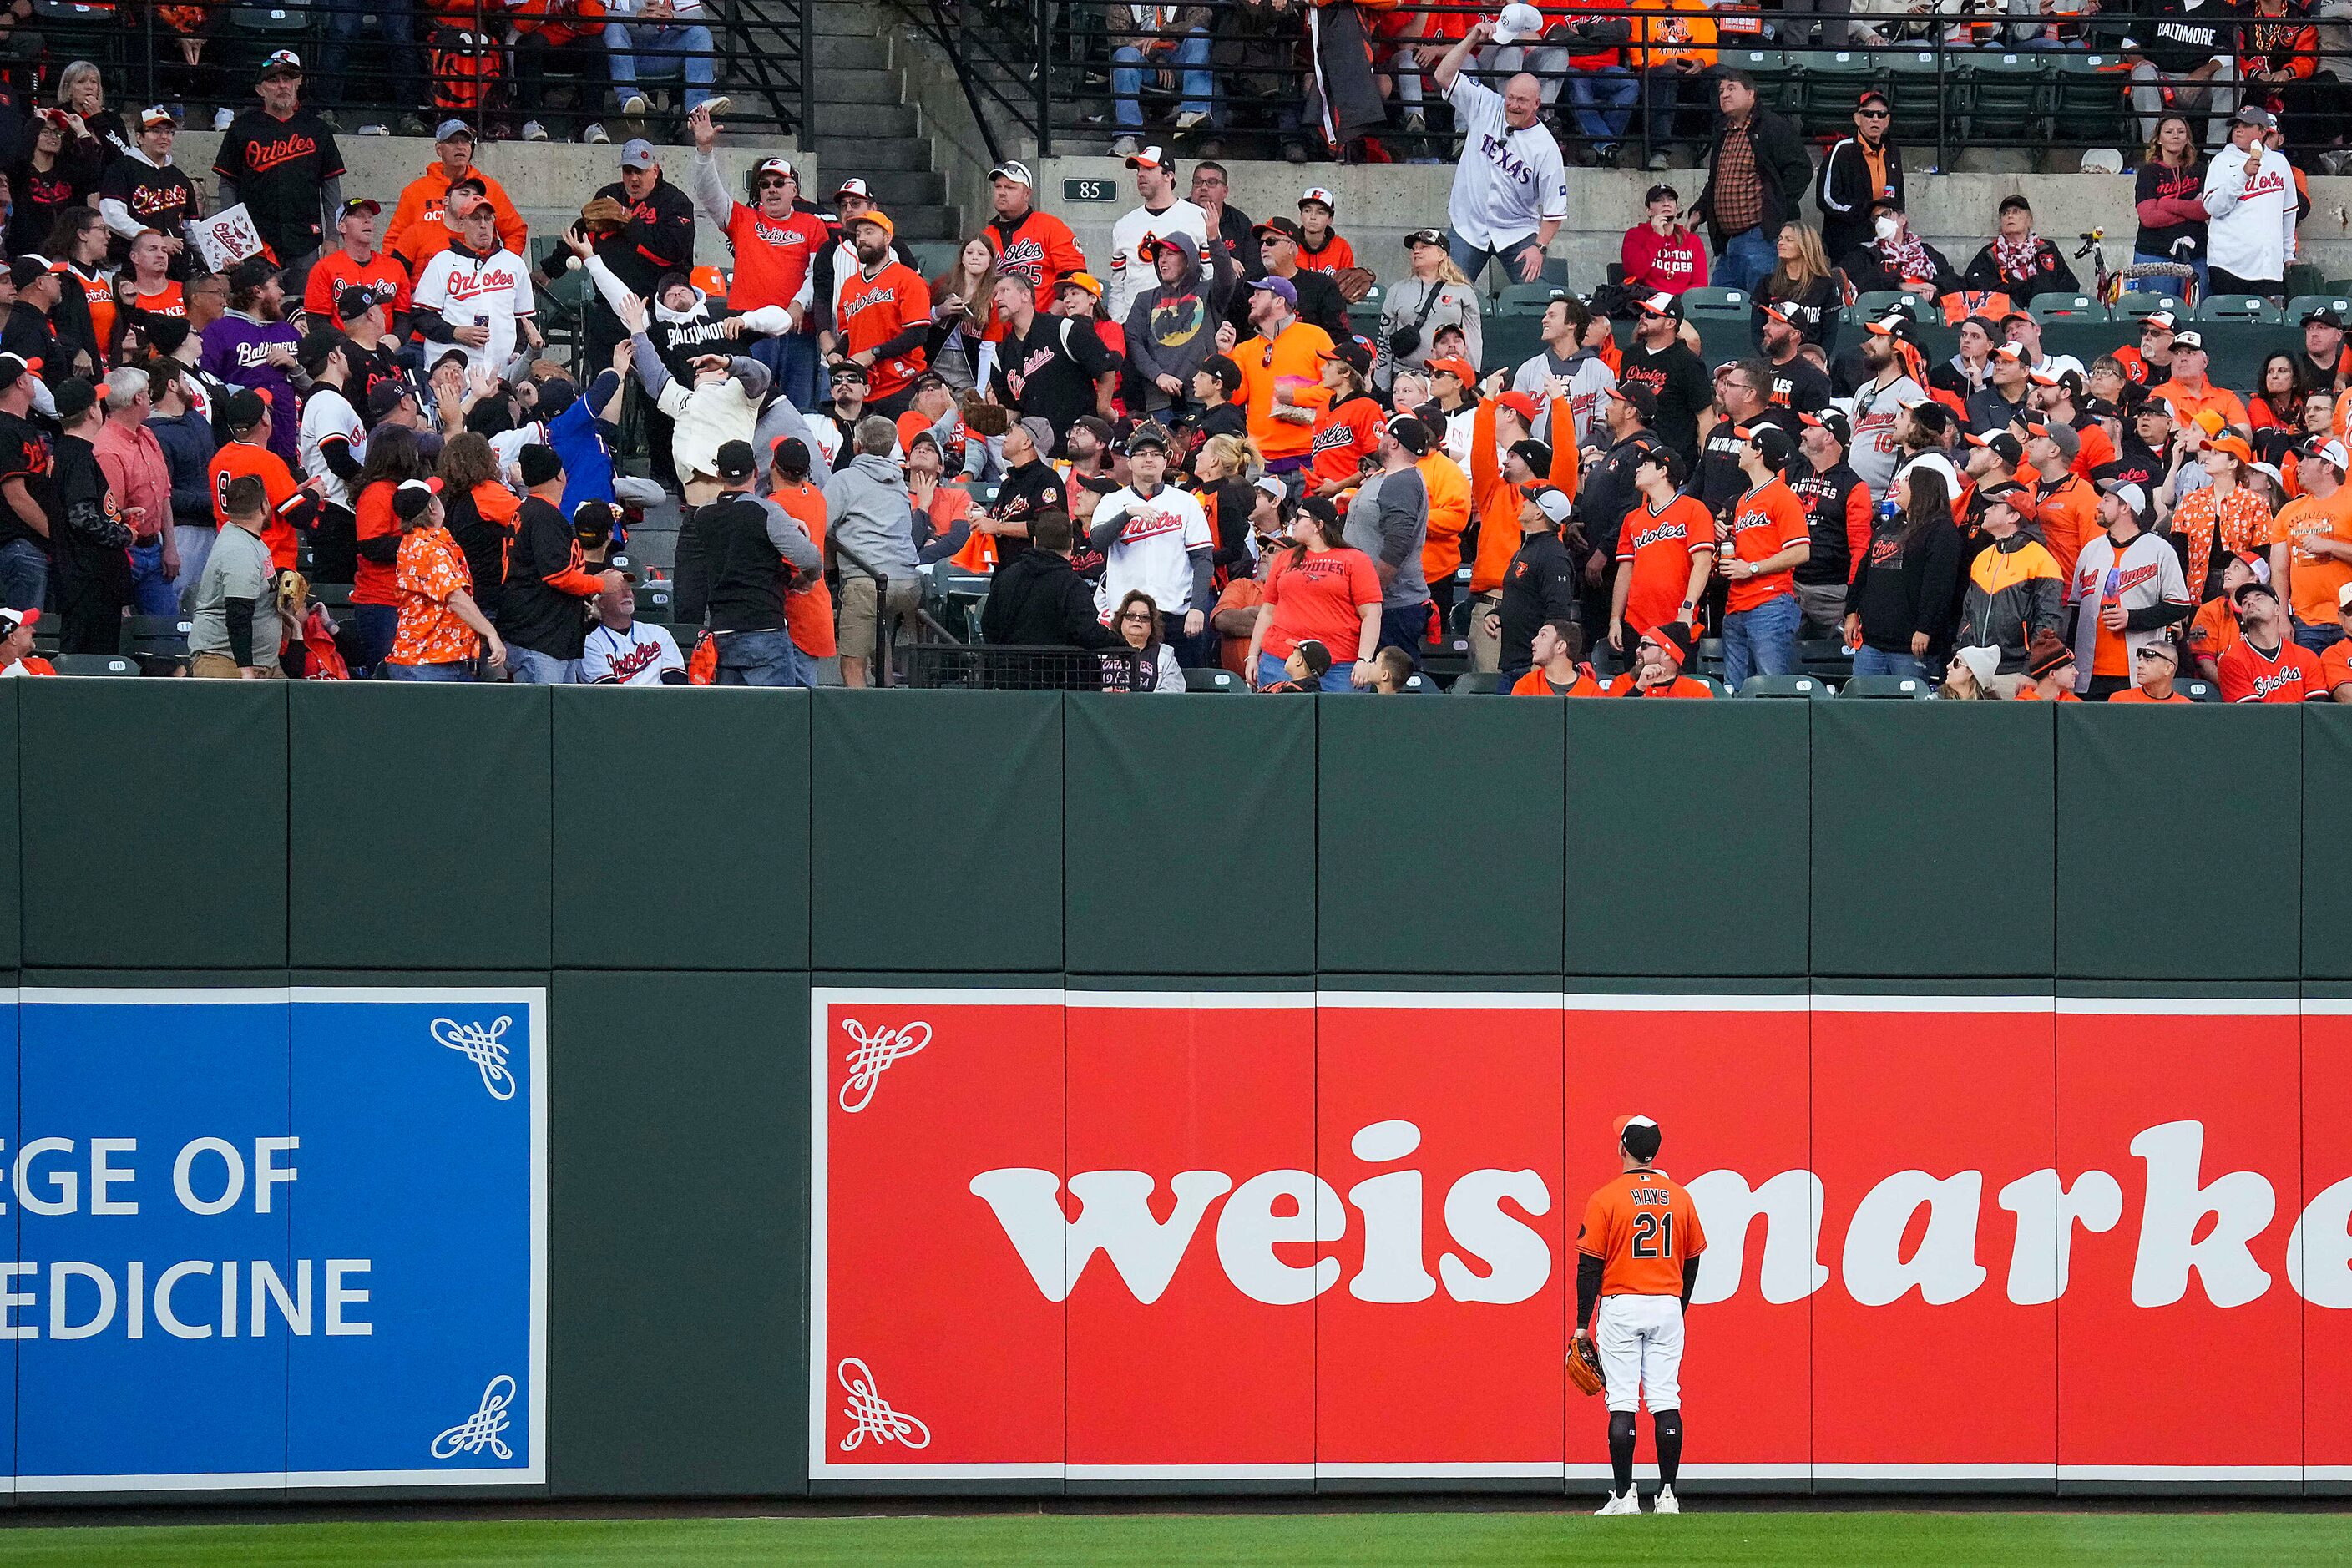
column 679, row 868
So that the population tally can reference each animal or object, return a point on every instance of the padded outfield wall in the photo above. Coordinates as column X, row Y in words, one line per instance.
column 1020, row 1093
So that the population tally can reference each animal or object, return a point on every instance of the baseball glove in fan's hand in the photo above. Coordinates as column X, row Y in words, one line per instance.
column 1584, row 1366
column 604, row 216
column 1354, row 282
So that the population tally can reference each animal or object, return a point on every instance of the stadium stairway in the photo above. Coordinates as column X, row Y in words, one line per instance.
column 864, row 127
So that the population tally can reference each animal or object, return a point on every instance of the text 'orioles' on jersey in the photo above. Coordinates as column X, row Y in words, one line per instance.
column 1643, row 1229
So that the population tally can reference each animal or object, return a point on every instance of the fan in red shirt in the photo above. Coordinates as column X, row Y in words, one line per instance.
column 355, row 261
column 1322, row 248
column 1660, row 256
column 2267, row 664
column 1348, row 425
column 249, row 415
column 775, row 244
column 1665, row 549
column 884, row 316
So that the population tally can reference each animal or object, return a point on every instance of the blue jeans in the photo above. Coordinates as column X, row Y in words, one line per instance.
column 1335, row 679
column 151, row 594
column 1612, row 89
column 395, row 20
column 791, row 359
column 1747, row 261
column 375, row 627
column 23, row 576
column 1473, row 260
column 427, row 671
column 762, row 658
column 532, row 669
column 1868, row 660
column 2317, row 639
column 625, row 41
column 1190, row 54
column 2168, row 286
column 1762, row 641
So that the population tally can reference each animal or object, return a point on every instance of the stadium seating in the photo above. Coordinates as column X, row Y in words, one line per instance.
column 1220, row 680
column 2252, row 309
column 95, row 664
column 1870, row 306
column 1902, row 687
column 2065, row 307
column 2009, row 98
column 1803, row 686
column 2131, row 305
column 2302, row 304
column 1711, row 304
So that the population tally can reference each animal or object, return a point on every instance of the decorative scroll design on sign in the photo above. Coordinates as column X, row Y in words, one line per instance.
column 480, row 1430
column 870, row 1415
column 875, row 1052
column 485, row 1049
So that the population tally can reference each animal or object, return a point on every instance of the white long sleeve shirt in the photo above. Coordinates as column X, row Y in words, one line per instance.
column 2251, row 228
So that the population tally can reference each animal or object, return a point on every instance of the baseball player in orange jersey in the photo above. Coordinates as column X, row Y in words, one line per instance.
column 1638, row 1256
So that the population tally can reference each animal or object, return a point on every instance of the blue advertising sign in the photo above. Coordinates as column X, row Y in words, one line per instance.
column 274, row 1237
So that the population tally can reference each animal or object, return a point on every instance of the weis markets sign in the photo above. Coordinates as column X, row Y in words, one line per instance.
column 274, row 1237
column 1248, row 1236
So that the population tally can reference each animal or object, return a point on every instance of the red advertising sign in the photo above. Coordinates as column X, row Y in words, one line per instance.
column 1297, row 1237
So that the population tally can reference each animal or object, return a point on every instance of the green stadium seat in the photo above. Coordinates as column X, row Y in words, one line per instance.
column 1221, row 680
column 2065, row 307
column 1710, row 656
column 95, row 664
column 1926, row 102
column 1714, row 688
column 2303, row 305
column 1870, row 306
column 2131, row 306
column 1824, row 657
column 2249, row 309
column 2088, row 99
column 1902, row 687
column 1523, row 300
column 271, row 22
column 1421, row 686
column 1832, row 80
column 1712, row 304
column 1367, row 308
column 2340, row 285
column 2198, row 690
column 334, row 595
column 2008, row 95
column 1777, row 85
column 1806, row 687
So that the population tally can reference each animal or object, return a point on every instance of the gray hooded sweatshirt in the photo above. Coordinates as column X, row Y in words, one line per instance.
column 867, row 511
column 1172, row 327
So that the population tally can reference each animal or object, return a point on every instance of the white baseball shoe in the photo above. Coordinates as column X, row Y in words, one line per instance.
column 1665, row 1501
column 1630, row 1501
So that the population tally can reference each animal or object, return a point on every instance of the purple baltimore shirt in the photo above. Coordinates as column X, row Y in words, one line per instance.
column 236, row 349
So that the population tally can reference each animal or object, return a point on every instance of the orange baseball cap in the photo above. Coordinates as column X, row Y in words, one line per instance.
column 2235, row 446
column 1460, row 370
column 880, row 220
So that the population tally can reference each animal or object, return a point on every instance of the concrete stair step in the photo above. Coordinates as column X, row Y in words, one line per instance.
column 927, row 223
column 848, row 19
column 877, row 85
column 867, row 156
column 849, row 51
column 905, row 189
column 857, row 121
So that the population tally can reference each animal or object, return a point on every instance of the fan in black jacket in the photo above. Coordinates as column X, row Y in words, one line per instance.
column 1036, row 600
column 1849, row 183
column 2019, row 262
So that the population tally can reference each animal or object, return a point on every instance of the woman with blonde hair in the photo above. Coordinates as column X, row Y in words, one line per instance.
column 1224, row 475
column 2226, row 511
column 963, row 317
column 81, row 95
column 1969, row 677
column 1800, row 283
column 1434, row 295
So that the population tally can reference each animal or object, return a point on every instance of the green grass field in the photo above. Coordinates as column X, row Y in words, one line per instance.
column 1277, row 1540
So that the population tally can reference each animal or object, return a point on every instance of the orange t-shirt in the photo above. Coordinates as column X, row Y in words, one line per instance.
column 2029, row 692
column 1768, row 520
column 2314, row 581
column 1240, row 594
column 97, row 293
column 1536, row 683
column 1657, row 548
column 2134, row 694
column 336, row 271
column 1320, row 596
column 234, row 460
column 374, row 582
column 1643, row 1229
column 2213, row 630
column 2335, row 667
column 1295, row 359
column 1336, row 253
column 2069, row 513
column 171, row 300
column 2188, row 404
column 808, row 608
column 2292, row 675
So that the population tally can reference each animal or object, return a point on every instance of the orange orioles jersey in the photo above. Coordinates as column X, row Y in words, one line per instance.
column 872, row 311
column 1643, row 1228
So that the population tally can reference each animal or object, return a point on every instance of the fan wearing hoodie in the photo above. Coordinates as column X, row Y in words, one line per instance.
column 721, row 404
column 1171, row 326
column 871, row 527
column 1036, row 600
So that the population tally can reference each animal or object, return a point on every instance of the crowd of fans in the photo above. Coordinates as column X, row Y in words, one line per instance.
column 1208, row 453
column 1352, row 79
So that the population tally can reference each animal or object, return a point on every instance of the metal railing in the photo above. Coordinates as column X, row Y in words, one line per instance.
column 1958, row 79
column 460, row 57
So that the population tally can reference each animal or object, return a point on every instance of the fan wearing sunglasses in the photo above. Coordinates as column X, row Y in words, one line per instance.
column 774, row 243
column 1859, row 170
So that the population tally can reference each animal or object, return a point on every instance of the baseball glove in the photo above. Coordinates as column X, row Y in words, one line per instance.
column 604, row 216
column 1354, row 282
column 1584, row 1366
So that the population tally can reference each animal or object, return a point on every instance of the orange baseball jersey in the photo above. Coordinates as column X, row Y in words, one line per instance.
column 1768, row 519
column 1344, row 435
column 1657, row 548
column 336, row 271
column 1040, row 248
column 873, row 311
column 234, row 460
column 1643, row 1228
